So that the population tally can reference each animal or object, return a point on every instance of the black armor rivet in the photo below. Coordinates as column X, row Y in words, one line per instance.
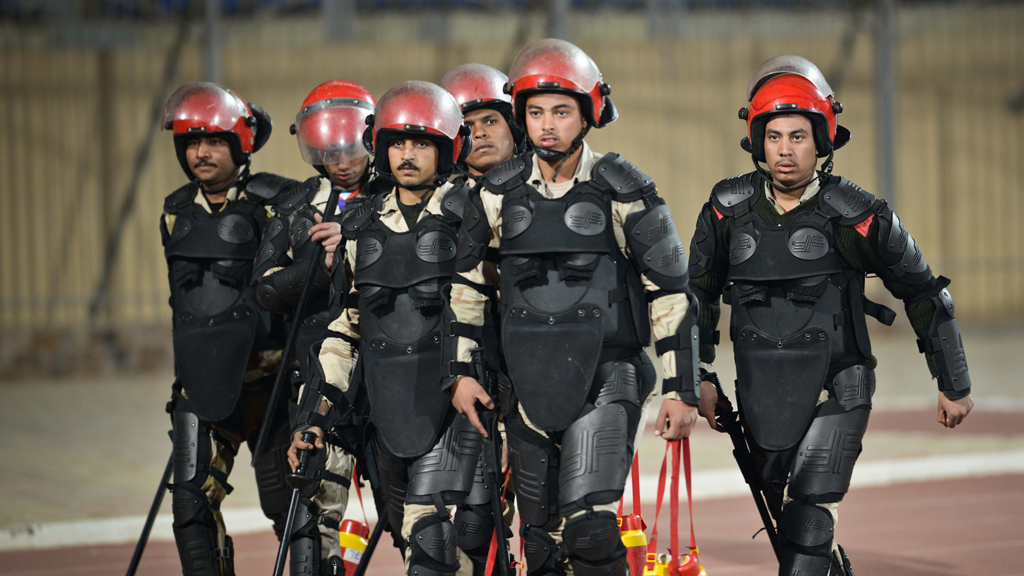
column 523, row 314
column 779, row 344
column 383, row 344
column 580, row 313
column 597, row 313
column 807, row 336
column 235, row 313
column 821, row 336
column 408, row 349
column 211, row 322
column 551, row 319
column 828, row 196
column 753, row 336
column 373, row 346
column 437, row 339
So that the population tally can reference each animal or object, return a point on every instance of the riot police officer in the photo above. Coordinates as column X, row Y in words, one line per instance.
column 584, row 244
column 328, row 128
column 225, row 349
column 789, row 247
column 400, row 252
column 487, row 111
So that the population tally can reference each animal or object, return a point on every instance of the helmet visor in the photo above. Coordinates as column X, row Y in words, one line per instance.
column 787, row 64
column 203, row 107
column 331, row 131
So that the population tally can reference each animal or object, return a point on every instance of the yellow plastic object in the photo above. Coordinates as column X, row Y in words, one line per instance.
column 634, row 538
column 657, row 565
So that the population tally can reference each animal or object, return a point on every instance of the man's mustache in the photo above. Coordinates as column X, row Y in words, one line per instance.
column 201, row 164
column 407, row 164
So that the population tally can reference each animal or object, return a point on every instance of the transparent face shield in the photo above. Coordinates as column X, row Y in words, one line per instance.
column 204, row 107
column 419, row 105
column 331, row 131
column 787, row 64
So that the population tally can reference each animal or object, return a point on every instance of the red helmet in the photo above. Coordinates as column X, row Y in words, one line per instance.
column 554, row 65
column 792, row 85
column 421, row 110
column 477, row 86
column 206, row 109
column 329, row 126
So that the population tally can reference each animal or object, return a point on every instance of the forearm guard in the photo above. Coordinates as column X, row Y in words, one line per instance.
column 945, row 348
column 273, row 251
column 453, row 369
column 279, row 292
column 685, row 343
column 339, row 424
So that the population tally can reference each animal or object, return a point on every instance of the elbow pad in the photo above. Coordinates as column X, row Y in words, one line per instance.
column 685, row 343
column 900, row 253
column 652, row 237
column 273, row 249
column 945, row 347
column 279, row 292
column 474, row 235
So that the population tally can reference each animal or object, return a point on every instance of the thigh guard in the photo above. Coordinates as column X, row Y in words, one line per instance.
column 594, row 545
column 824, row 462
column 534, row 459
column 596, row 448
column 541, row 553
column 448, row 468
column 432, row 550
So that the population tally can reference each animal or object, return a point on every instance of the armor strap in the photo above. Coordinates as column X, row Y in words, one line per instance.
column 879, row 312
column 221, row 479
column 460, row 369
column 456, row 328
column 330, row 522
column 332, row 477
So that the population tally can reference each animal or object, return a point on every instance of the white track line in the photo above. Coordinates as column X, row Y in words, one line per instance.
column 706, row 486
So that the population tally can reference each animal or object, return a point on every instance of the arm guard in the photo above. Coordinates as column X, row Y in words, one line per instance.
column 452, row 369
column 273, row 251
column 656, row 246
column 900, row 254
column 279, row 292
column 685, row 344
column 339, row 424
column 945, row 348
column 702, row 247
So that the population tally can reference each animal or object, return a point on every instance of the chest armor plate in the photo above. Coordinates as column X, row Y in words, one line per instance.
column 802, row 248
column 399, row 276
column 567, row 292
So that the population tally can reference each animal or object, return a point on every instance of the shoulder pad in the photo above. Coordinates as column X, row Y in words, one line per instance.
column 624, row 180
column 454, row 201
column 286, row 203
column 497, row 178
column 731, row 192
column 180, row 198
column 359, row 211
column 845, row 200
column 268, row 186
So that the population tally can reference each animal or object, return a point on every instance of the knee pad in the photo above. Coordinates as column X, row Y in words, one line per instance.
column 192, row 448
column 827, row 453
column 594, row 538
column 595, row 459
column 534, row 459
column 195, row 533
column 432, row 550
column 807, row 530
column 305, row 546
column 474, row 526
column 541, row 553
column 448, row 468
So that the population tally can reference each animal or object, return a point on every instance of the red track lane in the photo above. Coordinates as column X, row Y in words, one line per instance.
column 944, row 528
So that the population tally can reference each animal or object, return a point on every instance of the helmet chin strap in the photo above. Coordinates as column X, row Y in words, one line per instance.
column 826, row 167
column 559, row 156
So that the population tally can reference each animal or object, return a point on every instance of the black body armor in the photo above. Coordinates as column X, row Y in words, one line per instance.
column 570, row 298
column 399, row 276
column 216, row 320
column 794, row 314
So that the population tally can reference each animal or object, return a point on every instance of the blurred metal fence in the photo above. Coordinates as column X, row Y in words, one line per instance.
column 75, row 108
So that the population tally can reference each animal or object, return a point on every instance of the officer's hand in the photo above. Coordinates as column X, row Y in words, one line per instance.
column 709, row 401
column 953, row 412
column 466, row 392
column 298, row 444
column 328, row 234
column 675, row 419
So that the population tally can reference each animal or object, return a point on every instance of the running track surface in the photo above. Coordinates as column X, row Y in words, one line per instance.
column 943, row 528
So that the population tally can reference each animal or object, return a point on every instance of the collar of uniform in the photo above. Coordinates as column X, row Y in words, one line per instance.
column 809, row 192
column 323, row 194
column 586, row 165
column 201, row 199
column 433, row 206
